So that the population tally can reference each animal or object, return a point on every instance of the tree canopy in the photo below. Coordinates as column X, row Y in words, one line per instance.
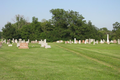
column 63, row 25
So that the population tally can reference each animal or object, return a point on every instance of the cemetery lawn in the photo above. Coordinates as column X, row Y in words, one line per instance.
column 61, row 62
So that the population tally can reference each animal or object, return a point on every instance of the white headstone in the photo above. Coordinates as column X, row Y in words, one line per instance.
column 75, row 40
column 101, row 41
column 79, row 41
column 44, row 40
column 108, row 38
column 118, row 41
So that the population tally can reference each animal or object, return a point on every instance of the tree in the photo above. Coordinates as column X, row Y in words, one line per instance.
column 116, row 30
column 116, row 26
column 8, row 31
column 0, row 35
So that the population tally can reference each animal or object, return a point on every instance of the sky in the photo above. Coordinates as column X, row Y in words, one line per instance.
column 102, row 13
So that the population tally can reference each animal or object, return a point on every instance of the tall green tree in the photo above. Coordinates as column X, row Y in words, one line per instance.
column 1, row 34
column 8, row 31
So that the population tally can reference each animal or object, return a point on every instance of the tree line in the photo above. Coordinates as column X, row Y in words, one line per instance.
column 64, row 25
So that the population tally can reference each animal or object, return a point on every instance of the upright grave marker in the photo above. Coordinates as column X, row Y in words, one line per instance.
column 118, row 41
column 23, row 46
column 75, row 41
column 108, row 38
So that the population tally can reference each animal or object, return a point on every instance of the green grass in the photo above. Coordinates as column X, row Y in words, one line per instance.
column 61, row 62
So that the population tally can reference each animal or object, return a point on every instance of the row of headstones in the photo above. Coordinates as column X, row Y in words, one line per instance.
column 44, row 44
column 108, row 42
column 23, row 44
column 91, row 40
column 82, row 41
column 14, row 41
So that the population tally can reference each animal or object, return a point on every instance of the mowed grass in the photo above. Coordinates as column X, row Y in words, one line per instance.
column 61, row 62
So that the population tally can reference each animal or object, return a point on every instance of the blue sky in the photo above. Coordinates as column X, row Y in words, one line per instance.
column 102, row 13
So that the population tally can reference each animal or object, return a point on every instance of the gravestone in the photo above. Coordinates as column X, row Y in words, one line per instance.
column 20, row 40
column 1, row 40
column 111, row 41
column 0, row 44
column 23, row 46
column 108, row 38
column 44, row 40
column 87, row 41
column 94, row 42
column 70, row 42
column 35, row 41
column 118, row 41
column 83, row 41
column 27, row 41
column 18, row 44
column 40, row 42
column 79, row 41
column 114, row 41
column 75, row 40
column 15, row 40
column 101, row 41
column 8, row 41
column 4, row 41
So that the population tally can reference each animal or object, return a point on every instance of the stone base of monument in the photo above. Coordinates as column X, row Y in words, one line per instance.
column 23, row 46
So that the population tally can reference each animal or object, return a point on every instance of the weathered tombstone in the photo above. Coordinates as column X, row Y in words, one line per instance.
column 89, row 41
column 0, row 44
column 23, row 46
column 83, row 41
column 114, row 41
column 8, row 41
column 20, row 40
column 4, row 41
